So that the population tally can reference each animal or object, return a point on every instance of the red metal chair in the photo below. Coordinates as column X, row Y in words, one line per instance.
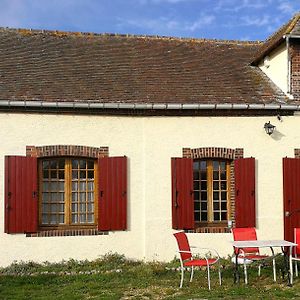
column 187, row 260
column 248, row 255
column 296, row 252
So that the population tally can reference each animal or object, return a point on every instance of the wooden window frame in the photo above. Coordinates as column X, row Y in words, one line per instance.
column 210, row 222
column 68, row 195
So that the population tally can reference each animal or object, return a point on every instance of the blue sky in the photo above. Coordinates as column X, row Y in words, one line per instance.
column 220, row 19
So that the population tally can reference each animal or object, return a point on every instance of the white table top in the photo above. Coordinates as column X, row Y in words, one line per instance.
column 262, row 243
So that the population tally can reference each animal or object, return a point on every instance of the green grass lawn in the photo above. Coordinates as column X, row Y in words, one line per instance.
column 114, row 277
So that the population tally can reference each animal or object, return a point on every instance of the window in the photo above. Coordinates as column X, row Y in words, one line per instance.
column 211, row 191
column 212, row 188
column 67, row 191
column 76, row 195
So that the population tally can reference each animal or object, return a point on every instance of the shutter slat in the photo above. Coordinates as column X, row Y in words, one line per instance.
column 244, row 172
column 21, row 206
column 112, row 208
column 182, row 193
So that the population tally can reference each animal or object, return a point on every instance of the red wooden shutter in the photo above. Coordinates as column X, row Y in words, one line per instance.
column 244, row 172
column 21, row 201
column 291, row 196
column 182, row 193
column 112, row 208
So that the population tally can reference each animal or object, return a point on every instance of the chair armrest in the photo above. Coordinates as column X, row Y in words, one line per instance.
column 208, row 249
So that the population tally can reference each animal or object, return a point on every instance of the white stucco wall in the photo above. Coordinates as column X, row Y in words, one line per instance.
column 278, row 67
column 149, row 143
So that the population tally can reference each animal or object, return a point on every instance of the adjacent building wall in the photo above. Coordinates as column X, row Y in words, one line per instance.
column 277, row 67
column 149, row 143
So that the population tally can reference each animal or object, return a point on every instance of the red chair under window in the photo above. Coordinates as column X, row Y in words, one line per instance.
column 248, row 255
column 187, row 260
column 296, row 252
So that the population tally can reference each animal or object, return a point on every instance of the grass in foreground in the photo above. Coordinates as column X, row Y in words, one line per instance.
column 114, row 277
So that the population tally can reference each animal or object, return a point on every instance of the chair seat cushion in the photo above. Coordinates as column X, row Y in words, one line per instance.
column 199, row 262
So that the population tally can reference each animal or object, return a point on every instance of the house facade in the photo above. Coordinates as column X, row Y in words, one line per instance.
column 112, row 143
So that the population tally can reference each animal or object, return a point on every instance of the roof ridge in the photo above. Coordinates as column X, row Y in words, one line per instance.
column 61, row 33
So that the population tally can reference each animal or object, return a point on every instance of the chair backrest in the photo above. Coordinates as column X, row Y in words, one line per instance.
column 297, row 240
column 245, row 234
column 183, row 245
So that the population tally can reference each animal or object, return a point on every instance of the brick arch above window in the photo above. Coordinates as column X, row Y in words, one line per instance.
column 66, row 150
column 213, row 152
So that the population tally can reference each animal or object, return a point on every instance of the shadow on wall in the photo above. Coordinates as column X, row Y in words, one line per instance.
column 277, row 135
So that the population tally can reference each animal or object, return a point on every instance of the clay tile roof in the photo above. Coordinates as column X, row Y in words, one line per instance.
column 291, row 27
column 64, row 66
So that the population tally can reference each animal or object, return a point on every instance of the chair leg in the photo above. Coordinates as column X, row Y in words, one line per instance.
column 192, row 274
column 259, row 270
column 182, row 276
column 291, row 271
column 274, row 270
column 245, row 274
column 296, row 268
column 220, row 276
column 208, row 277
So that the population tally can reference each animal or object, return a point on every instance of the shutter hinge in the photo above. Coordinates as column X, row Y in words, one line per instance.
column 9, row 194
column 34, row 194
column 101, row 193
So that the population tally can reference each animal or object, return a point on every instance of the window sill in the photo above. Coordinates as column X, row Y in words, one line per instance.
column 210, row 229
column 66, row 232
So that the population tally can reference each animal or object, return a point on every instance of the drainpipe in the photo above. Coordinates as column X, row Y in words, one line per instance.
column 289, row 65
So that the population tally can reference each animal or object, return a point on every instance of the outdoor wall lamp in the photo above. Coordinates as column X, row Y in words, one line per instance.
column 269, row 128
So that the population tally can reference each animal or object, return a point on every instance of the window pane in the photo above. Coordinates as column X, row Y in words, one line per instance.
column 203, row 205
column 74, row 207
column 223, row 216
column 82, row 197
column 61, row 219
column 74, row 174
column 82, row 185
column 91, row 174
column 53, row 164
column 196, row 175
column 44, row 219
column 90, row 197
column 74, row 164
column 61, row 164
column 203, row 185
column 203, row 216
column 45, row 197
column 90, row 218
column 224, row 195
column 197, row 216
column 53, row 219
column 82, row 174
column 216, row 216
column 196, row 185
column 222, row 165
column 61, row 186
column 45, row 174
column 224, row 205
column 216, row 185
column 90, row 164
column 53, row 208
column 82, row 164
column 74, row 219
column 196, row 205
column 196, row 165
column 216, row 175
column 223, row 175
column 90, row 185
column 223, row 185
column 53, row 174
column 74, row 197
column 203, row 175
column 82, row 207
column 46, row 186
column 216, row 196
column 203, row 195
column 61, row 175
column 82, row 218
column 216, row 165
column 90, row 207
column 45, row 164
column 216, row 205
column 196, row 195
column 45, row 208
column 203, row 165
column 75, row 185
